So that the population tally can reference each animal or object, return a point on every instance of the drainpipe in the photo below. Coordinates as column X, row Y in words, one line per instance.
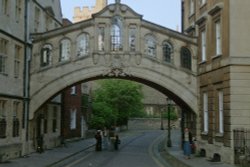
column 182, row 16
column 26, row 77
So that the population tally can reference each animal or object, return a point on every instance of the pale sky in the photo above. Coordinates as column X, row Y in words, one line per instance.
column 166, row 13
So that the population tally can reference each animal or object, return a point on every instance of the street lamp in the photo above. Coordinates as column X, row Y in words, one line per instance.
column 162, row 128
column 169, row 103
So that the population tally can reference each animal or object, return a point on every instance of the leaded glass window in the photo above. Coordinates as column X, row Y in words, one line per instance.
column 167, row 51
column 116, row 35
column 82, row 45
column 186, row 61
column 150, row 45
column 65, row 50
column 46, row 57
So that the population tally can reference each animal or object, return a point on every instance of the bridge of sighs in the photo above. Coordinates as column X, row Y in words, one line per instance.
column 115, row 43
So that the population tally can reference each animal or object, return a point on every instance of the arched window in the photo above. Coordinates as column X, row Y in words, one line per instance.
column 116, row 35
column 82, row 43
column 186, row 61
column 167, row 51
column 65, row 50
column 150, row 45
column 46, row 57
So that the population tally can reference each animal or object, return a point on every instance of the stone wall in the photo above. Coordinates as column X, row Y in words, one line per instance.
column 149, row 124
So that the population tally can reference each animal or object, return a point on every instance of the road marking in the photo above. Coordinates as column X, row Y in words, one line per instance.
column 79, row 160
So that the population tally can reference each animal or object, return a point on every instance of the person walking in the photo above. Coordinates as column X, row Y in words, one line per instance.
column 98, row 137
column 187, row 143
column 105, row 142
column 117, row 142
column 112, row 138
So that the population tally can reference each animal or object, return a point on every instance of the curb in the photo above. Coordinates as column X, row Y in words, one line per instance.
column 155, row 152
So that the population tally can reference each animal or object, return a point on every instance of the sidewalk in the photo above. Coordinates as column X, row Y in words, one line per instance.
column 49, row 157
column 174, row 156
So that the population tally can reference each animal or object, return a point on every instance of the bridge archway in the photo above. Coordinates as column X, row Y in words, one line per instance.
column 89, row 50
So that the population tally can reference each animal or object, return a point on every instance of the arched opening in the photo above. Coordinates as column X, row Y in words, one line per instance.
column 185, row 117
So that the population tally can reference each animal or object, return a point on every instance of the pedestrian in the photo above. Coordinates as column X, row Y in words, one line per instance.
column 105, row 138
column 112, row 138
column 98, row 138
column 187, row 143
column 117, row 142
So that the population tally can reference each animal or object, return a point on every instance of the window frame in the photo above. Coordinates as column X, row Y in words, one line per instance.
column 116, row 34
column 205, row 113
column 186, row 58
column 65, row 50
column 46, row 60
column 82, row 45
column 203, row 2
column 73, row 90
column 221, row 111
column 203, row 46
column 3, row 121
column 73, row 112
column 132, row 38
column 16, row 122
column 4, row 44
column 18, row 10
column 191, row 7
column 101, row 38
column 167, row 58
column 54, row 119
column 150, row 45
column 6, row 7
column 218, row 38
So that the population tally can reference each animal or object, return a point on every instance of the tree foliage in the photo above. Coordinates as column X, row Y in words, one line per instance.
column 115, row 101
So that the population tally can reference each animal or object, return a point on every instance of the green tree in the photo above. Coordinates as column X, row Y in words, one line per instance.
column 115, row 101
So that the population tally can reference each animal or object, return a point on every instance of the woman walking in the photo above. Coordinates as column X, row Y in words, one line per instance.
column 187, row 143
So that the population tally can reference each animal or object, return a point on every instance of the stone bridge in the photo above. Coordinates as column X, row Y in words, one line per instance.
column 116, row 43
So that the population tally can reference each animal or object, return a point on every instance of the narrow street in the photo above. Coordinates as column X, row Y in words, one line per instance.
column 134, row 151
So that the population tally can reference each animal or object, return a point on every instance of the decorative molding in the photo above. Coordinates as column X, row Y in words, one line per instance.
column 201, row 20
column 215, row 9
column 117, row 65
column 116, row 72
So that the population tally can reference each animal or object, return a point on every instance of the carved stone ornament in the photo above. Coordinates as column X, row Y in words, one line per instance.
column 118, row 66
column 116, row 72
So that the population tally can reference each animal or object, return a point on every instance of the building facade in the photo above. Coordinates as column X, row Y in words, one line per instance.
column 223, row 71
column 73, row 109
column 19, row 19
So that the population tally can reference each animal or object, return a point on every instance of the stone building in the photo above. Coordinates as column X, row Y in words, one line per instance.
column 86, row 12
column 19, row 19
column 222, row 28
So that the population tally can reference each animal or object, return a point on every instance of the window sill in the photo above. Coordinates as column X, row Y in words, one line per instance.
column 202, row 62
column 191, row 15
column 219, row 134
column 216, row 56
column 63, row 62
column 204, row 133
column 44, row 68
